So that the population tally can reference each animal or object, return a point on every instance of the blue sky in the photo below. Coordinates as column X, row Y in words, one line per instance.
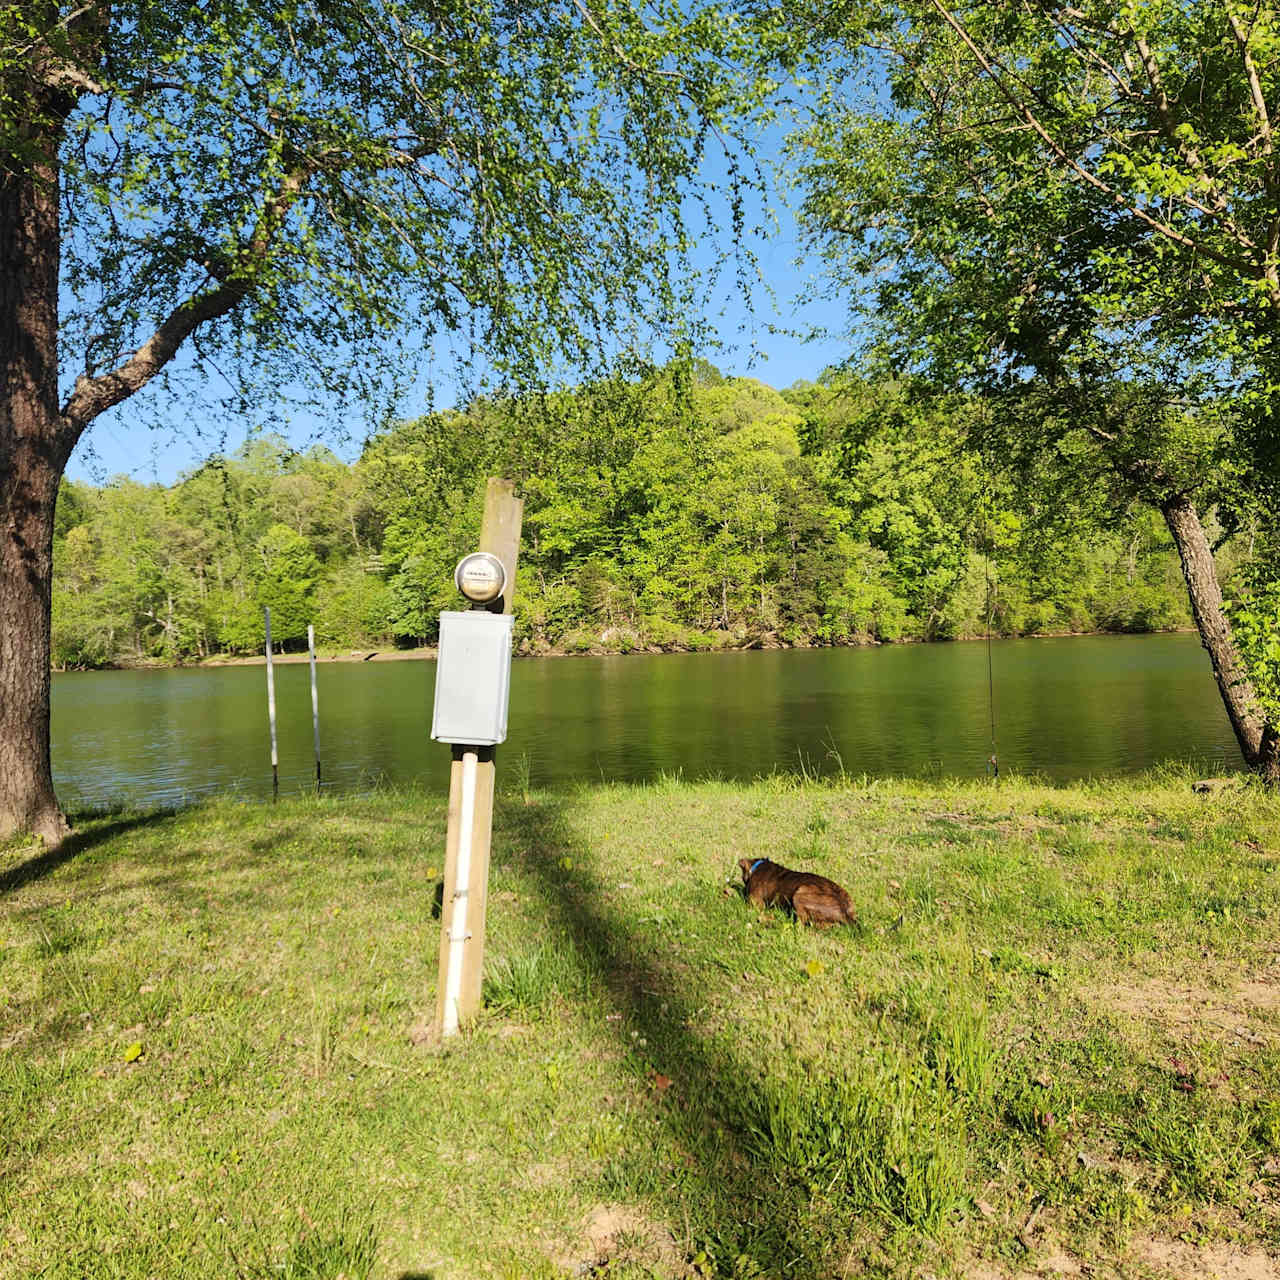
column 118, row 444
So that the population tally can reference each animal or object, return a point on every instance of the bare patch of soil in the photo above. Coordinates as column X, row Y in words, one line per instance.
column 1055, row 1263
column 1250, row 1010
column 1153, row 1258
column 615, row 1233
column 1177, row 1260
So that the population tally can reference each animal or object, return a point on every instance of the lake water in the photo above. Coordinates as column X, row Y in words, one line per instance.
column 1067, row 708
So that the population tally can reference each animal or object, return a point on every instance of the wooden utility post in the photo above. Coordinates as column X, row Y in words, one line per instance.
column 271, row 712
column 315, row 702
column 500, row 536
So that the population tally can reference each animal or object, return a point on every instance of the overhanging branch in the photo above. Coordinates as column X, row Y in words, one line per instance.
column 92, row 396
column 995, row 73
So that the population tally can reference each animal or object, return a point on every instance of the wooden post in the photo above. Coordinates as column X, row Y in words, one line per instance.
column 271, row 714
column 315, row 702
column 500, row 536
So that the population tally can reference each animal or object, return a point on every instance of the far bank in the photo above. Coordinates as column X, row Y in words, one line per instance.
column 603, row 646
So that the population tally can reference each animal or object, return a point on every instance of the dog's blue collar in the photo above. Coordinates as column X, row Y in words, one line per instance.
column 752, row 869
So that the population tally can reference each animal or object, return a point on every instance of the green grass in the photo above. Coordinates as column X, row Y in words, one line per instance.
column 1056, row 1029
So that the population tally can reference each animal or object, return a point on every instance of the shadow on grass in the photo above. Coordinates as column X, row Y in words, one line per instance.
column 76, row 844
column 737, row 1209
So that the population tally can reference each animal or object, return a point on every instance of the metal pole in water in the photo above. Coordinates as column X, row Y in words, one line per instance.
column 271, row 714
column 315, row 704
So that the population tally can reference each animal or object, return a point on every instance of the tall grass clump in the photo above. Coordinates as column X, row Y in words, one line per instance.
column 954, row 1039
column 886, row 1137
column 532, row 980
column 348, row 1249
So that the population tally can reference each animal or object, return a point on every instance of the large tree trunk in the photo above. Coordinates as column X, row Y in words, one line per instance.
column 1258, row 739
column 36, row 436
column 34, row 448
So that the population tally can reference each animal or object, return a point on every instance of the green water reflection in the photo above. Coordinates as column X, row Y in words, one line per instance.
column 1067, row 708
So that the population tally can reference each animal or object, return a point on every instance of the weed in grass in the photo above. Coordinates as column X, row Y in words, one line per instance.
column 606, row 1135
column 1102, row 1205
column 324, row 1033
column 923, row 894
column 531, row 980
column 1076, row 841
column 837, row 760
column 1009, row 960
column 60, row 933
column 958, row 1050
column 1207, row 1153
column 1038, row 1109
column 74, row 978
column 741, row 1254
column 520, row 782
column 1070, row 913
column 1118, row 1208
column 1099, row 1053
column 814, row 848
column 885, row 1137
column 1266, row 1127
column 344, row 1246
column 349, row 1249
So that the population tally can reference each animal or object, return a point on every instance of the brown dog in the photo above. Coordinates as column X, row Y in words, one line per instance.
column 814, row 899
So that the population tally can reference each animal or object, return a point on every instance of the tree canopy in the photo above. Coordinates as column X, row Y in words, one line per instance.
column 733, row 514
column 297, row 186
column 293, row 196
column 1075, row 211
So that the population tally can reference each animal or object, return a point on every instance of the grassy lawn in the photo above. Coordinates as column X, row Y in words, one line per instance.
column 1052, row 1043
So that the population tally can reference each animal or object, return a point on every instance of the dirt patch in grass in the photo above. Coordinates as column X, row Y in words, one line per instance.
column 1177, row 1260
column 1152, row 1258
column 614, row 1235
column 1055, row 1263
column 1248, row 1010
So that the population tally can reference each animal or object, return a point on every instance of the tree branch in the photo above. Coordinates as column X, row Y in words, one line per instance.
column 92, row 396
column 1255, row 84
column 1264, row 126
column 995, row 74
column 1190, row 154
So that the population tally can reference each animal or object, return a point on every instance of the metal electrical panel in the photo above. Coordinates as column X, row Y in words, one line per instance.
column 473, row 676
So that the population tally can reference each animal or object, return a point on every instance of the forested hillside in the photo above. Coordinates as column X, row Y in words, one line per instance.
column 665, row 513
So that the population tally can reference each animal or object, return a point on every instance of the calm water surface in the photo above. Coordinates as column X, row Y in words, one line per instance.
column 1067, row 708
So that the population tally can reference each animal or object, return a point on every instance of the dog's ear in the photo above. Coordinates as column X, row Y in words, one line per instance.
column 745, row 865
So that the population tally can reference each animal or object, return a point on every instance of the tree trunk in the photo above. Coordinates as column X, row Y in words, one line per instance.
column 34, row 448
column 36, row 437
column 1259, row 743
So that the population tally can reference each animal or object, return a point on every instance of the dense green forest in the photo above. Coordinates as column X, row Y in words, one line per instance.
column 674, row 511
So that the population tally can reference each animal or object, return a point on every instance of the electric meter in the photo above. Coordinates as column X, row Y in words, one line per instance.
column 480, row 577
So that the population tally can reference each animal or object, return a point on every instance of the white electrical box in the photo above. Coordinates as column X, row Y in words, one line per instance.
column 473, row 678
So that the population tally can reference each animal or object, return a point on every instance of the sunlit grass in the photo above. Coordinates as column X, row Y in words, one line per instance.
column 1053, row 1029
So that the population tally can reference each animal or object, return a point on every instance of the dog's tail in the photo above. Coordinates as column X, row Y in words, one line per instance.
column 847, row 914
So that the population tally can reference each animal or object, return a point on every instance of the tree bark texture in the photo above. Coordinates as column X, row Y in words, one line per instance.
column 1258, row 739
column 34, row 447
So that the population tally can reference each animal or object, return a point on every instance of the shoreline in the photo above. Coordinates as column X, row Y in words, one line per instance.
column 526, row 652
